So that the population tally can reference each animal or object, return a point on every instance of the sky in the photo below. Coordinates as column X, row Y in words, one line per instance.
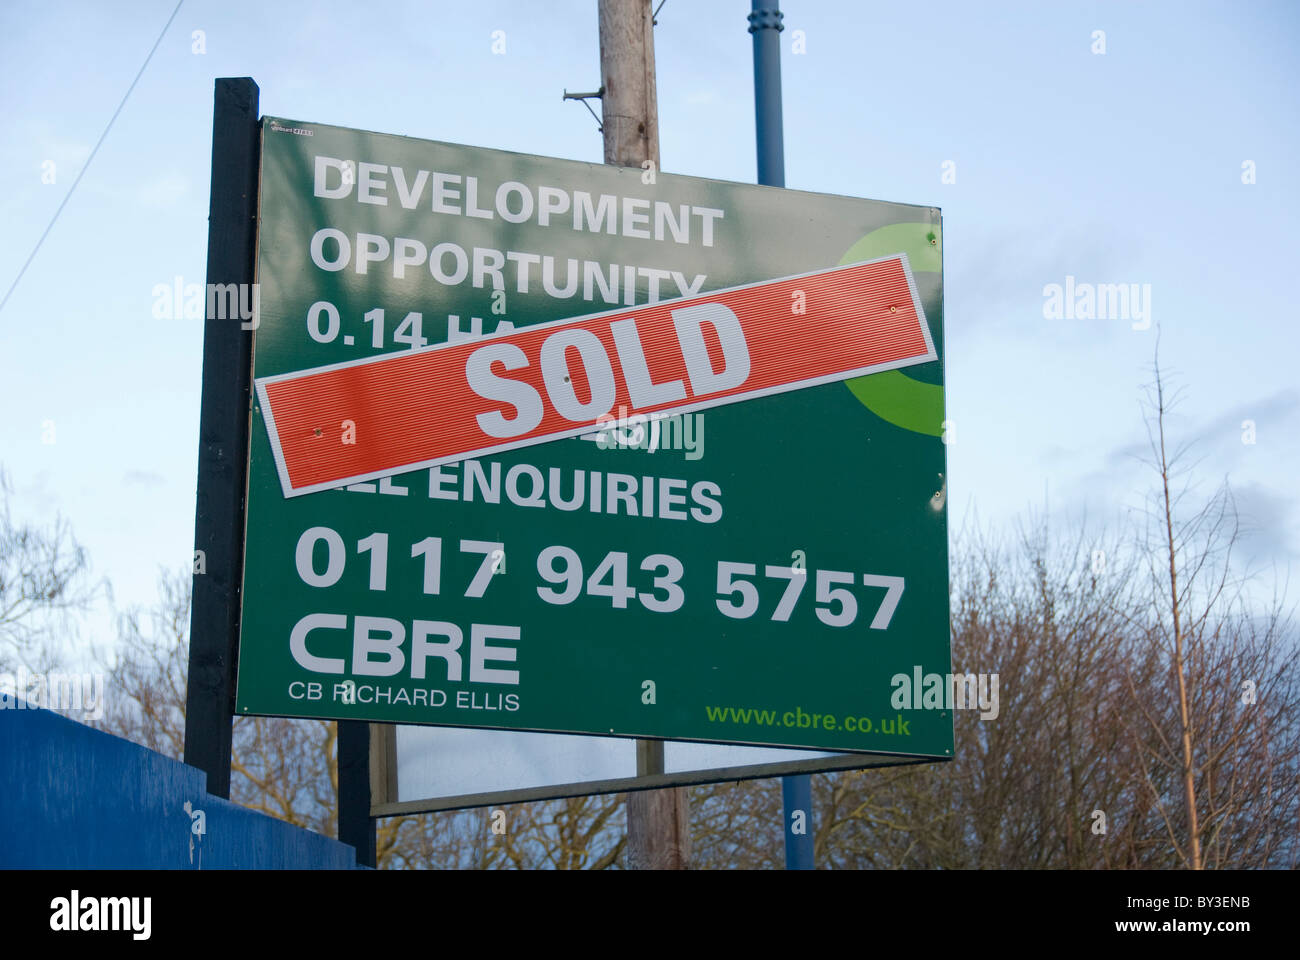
column 1150, row 144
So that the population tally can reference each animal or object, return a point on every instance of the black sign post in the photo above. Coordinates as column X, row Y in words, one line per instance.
column 223, row 437
column 223, row 473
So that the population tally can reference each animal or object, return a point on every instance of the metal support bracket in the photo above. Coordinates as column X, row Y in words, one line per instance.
column 584, row 97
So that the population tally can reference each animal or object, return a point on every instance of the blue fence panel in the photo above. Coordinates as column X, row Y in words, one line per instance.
column 72, row 797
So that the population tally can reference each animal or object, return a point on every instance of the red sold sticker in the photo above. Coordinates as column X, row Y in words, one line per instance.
column 372, row 418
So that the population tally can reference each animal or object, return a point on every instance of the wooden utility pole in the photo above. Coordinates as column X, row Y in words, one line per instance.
column 629, row 107
column 658, row 821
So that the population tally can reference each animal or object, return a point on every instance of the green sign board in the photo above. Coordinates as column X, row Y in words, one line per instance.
column 771, row 571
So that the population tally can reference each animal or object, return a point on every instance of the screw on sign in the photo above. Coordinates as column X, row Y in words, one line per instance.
column 454, row 401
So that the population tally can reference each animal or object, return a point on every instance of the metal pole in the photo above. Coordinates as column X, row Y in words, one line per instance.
column 223, row 439
column 765, row 26
column 796, row 802
column 658, row 821
column 356, row 827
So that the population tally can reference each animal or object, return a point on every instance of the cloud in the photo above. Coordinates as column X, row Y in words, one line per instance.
column 1269, row 522
column 1002, row 271
column 38, row 497
column 143, row 478
column 1222, row 435
column 1267, row 413
column 1266, row 521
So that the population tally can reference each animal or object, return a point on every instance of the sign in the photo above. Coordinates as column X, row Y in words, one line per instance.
column 421, row 409
column 565, row 447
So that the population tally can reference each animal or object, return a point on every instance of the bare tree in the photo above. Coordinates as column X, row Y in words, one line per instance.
column 1170, row 545
column 1023, row 786
column 1083, row 767
column 44, row 575
column 1227, row 737
column 737, row 825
